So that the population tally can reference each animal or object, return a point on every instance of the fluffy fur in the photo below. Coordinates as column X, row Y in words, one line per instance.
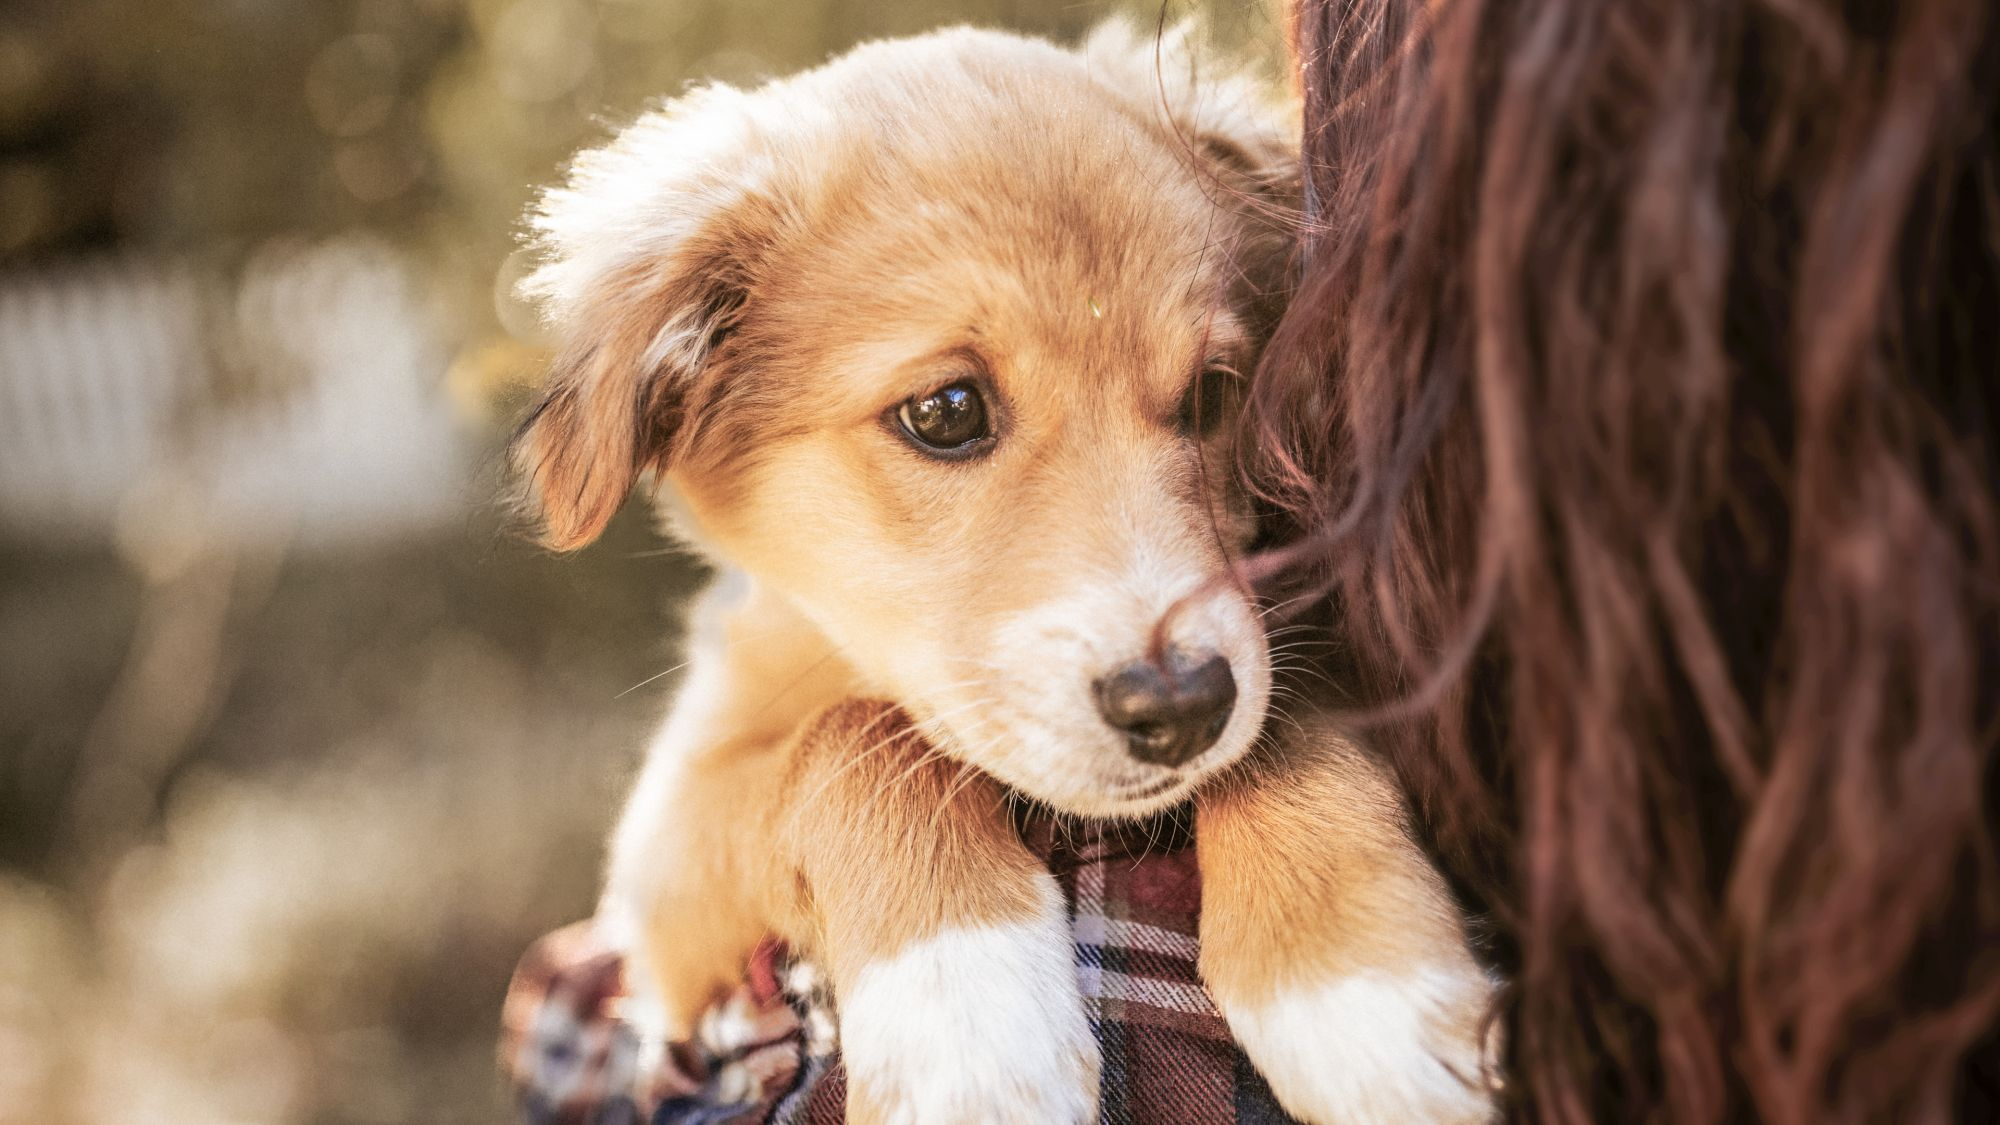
column 746, row 286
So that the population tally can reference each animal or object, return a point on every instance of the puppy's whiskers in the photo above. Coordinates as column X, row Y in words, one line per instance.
column 861, row 756
column 726, row 645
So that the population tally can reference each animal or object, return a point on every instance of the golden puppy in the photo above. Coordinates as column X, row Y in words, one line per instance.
column 925, row 349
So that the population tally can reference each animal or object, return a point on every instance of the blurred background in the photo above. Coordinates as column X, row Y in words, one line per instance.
column 300, row 741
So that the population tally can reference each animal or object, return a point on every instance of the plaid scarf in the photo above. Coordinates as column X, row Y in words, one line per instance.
column 768, row 1054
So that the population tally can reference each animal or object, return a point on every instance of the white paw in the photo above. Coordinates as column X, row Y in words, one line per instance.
column 1374, row 1048
column 980, row 1024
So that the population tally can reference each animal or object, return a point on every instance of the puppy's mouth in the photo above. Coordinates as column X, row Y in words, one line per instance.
column 1070, row 752
column 1116, row 790
column 1145, row 798
column 1150, row 789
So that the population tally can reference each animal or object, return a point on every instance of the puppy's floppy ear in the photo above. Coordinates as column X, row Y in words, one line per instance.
column 1241, row 125
column 1239, row 120
column 648, row 254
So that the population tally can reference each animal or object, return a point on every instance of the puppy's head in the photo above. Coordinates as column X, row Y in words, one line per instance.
column 939, row 341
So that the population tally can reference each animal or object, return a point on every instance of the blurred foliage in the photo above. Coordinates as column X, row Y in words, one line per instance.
column 402, row 767
column 200, row 126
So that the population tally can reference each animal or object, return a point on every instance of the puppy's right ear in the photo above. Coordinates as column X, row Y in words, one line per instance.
column 648, row 256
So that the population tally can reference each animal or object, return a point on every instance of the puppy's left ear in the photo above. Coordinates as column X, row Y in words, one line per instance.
column 1244, row 125
column 1240, row 126
column 649, row 252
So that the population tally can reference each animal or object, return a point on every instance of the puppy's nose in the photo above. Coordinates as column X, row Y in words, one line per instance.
column 1169, row 714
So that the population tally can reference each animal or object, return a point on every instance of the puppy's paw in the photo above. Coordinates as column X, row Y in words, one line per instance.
column 981, row 1024
column 1374, row 1048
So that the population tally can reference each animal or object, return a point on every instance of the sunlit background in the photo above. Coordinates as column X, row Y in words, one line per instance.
column 300, row 742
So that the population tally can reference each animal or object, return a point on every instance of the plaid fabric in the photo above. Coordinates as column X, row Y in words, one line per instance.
column 768, row 1054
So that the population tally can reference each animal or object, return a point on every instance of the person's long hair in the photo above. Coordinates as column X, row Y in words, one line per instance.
column 1635, row 419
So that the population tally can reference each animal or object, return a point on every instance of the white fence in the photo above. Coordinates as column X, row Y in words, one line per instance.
column 301, row 398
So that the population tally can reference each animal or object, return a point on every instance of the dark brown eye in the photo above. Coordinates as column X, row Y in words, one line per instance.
column 1206, row 402
column 947, row 420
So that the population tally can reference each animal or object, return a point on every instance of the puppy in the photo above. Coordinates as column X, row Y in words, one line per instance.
column 929, row 351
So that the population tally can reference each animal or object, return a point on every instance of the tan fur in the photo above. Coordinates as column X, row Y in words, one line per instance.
column 1308, row 874
column 1312, row 869
column 748, row 284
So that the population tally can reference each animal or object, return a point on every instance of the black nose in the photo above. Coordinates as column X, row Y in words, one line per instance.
column 1169, row 714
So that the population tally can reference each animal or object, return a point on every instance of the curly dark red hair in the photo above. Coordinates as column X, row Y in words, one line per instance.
column 1635, row 414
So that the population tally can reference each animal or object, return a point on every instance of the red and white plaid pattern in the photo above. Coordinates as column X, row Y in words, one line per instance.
column 766, row 1054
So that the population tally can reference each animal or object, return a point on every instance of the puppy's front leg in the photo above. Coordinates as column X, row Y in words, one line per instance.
column 688, row 893
column 684, row 893
column 1333, row 948
column 948, row 942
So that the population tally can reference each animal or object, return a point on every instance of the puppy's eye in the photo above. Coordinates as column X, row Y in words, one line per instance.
column 1207, row 401
column 947, row 420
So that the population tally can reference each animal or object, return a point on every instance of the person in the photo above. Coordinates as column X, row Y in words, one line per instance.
column 1633, row 425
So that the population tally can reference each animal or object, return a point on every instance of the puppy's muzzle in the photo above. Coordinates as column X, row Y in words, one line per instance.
column 1169, row 714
